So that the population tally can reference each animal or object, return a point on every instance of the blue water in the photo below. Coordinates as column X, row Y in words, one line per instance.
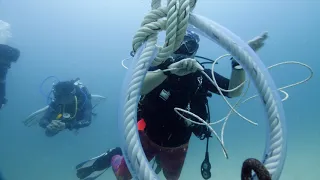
column 88, row 39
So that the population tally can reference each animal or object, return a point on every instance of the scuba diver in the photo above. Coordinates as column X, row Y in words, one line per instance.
column 71, row 108
column 8, row 55
column 164, row 135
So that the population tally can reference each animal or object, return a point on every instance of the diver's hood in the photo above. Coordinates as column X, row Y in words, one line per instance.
column 63, row 89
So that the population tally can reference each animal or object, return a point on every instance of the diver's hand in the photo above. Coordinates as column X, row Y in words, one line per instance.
column 258, row 42
column 56, row 126
column 185, row 66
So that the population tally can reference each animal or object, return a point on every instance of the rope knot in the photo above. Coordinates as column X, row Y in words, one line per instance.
column 173, row 19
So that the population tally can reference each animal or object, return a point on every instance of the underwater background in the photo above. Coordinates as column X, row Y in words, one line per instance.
column 88, row 39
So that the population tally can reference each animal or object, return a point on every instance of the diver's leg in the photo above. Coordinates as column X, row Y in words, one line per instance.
column 104, row 161
column 101, row 163
column 119, row 166
column 172, row 161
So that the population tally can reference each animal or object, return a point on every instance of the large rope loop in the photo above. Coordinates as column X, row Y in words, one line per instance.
column 173, row 19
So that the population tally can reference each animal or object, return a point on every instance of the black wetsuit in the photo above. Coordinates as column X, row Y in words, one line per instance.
column 163, row 125
column 82, row 119
column 8, row 55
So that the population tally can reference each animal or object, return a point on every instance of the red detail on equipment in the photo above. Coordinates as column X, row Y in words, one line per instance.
column 141, row 125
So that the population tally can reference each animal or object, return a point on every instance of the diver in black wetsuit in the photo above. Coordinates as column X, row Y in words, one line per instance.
column 166, row 135
column 8, row 55
column 70, row 109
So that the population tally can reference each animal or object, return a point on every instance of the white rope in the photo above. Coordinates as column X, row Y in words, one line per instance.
column 225, row 119
column 174, row 19
column 291, row 85
column 280, row 89
column 176, row 109
column 275, row 149
column 122, row 62
column 177, row 13
column 245, row 92
column 155, row 4
column 237, row 104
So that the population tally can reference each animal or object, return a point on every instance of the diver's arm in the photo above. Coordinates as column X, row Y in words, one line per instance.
column 45, row 120
column 152, row 80
column 238, row 76
column 221, row 81
column 87, row 117
column 50, row 133
column 180, row 68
